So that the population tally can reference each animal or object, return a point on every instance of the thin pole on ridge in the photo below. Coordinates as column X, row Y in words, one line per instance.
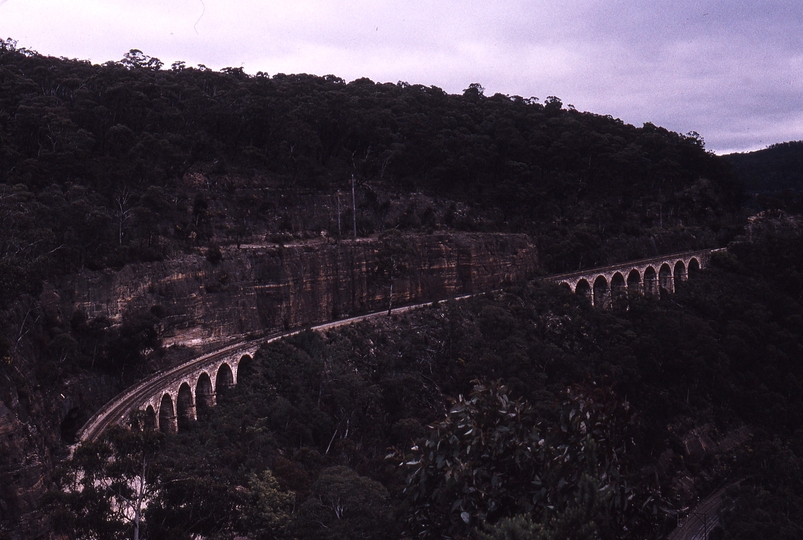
column 353, row 208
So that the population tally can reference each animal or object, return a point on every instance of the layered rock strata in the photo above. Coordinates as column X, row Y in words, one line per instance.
column 271, row 288
column 252, row 289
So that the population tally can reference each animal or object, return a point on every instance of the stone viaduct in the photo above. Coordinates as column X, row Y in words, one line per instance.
column 607, row 284
column 178, row 400
column 171, row 398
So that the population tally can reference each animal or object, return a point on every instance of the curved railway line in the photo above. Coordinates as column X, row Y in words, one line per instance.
column 117, row 410
column 158, row 393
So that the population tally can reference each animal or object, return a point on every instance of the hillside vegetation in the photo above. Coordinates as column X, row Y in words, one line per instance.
column 103, row 165
column 526, row 404
column 772, row 177
column 523, row 411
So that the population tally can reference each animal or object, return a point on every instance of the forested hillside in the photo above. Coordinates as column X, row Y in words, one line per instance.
column 103, row 166
column 773, row 177
column 526, row 404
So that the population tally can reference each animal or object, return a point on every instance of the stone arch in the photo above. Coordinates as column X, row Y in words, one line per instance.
column 650, row 281
column 679, row 272
column 235, row 366
column 602, row 294
column 245, row 366
column 204, row 393
column 167, row 415
column 634, row 282
column 583, row 289
column 694, row 265
column 224, row 377
column 185, row 406
column 665, row 277
column 618, row 287
column 150, row 418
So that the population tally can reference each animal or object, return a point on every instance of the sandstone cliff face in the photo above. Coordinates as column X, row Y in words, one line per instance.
column 252, row 289
column 272, row 288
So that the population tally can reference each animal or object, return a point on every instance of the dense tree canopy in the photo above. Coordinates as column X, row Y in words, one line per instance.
column 101, row 165
column 521, row 412
column 772, row 177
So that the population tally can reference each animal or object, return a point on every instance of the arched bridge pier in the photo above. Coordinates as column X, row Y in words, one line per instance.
column 605, row 285
column 180, row 398
column 172, row 398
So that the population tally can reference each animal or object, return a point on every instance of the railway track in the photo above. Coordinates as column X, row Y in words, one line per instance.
column 703, row 518
column 118, row 409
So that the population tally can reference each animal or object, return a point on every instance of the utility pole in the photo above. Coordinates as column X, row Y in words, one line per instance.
column 354, row 207
column 339, row 234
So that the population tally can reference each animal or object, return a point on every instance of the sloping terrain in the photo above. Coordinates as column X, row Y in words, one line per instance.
column 142, row 208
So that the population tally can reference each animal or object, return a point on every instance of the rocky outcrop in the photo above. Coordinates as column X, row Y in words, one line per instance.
column 266, row 288
column 251, row 289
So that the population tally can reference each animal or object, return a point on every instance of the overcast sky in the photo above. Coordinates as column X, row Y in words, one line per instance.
column 731, row 70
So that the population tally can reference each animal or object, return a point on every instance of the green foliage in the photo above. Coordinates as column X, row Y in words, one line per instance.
column 107, row 485
column 136, row 59
column 571, row 442
column 213, row 254
column 105, row 165
column 518, row 527
column 492, row 458
column 770, row 500
column 127, row 346
column 487, row 457
column 193, row 502
column 774, row 173
column 268, row 512
column 345, row 505
column 576, row 522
